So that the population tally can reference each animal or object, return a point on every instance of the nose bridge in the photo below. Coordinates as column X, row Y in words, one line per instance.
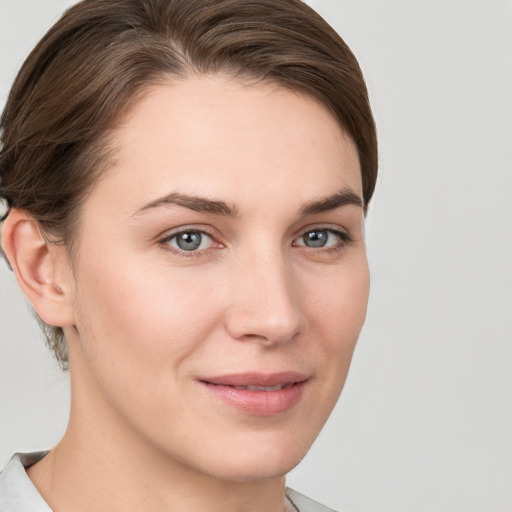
column 264, row 302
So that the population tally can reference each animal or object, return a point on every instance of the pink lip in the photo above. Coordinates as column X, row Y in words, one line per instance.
column 258, row 402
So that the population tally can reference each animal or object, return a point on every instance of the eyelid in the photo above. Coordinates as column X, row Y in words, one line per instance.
column 333, row 228
column 342, row 234
column 164, row 239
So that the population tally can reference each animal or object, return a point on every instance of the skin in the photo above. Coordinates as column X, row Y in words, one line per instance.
column 145, row 320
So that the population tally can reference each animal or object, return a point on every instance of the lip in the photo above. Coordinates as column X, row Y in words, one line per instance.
column 258, row 402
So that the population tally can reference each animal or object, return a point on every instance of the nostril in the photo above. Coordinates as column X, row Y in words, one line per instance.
column 260, row 328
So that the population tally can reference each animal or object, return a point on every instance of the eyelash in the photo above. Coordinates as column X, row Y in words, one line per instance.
column 344, row 240
column 180, row 252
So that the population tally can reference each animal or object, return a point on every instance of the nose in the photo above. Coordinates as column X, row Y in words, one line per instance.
column 264, row 301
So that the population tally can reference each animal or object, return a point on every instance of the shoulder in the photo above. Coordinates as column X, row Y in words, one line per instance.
column 300, row 503
column 17, row 492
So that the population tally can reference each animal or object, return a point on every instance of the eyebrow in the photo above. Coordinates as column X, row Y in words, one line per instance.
column 196, row 203
column 344, row 197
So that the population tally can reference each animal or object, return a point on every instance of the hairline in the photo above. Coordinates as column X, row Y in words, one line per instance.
column 105, row 147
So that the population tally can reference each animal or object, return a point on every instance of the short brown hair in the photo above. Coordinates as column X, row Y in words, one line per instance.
column 93, row 63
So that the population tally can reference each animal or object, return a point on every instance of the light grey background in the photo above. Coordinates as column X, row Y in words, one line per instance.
column 425, row 420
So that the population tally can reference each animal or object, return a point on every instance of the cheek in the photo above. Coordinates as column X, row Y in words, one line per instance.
column 337, row 312
column 340, row 304
column 143, row 320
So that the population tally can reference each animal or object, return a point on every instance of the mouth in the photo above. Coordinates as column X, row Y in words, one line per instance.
column 277, row 387
column 257, row 393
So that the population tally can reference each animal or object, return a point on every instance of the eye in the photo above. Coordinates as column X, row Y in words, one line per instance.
column 190, row 241
column 318, row 238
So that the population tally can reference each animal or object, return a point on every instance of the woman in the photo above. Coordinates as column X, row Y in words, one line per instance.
column 187, row 183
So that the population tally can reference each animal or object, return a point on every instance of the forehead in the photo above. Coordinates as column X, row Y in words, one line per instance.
column 212, row 135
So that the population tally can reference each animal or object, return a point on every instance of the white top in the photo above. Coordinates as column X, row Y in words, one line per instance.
column 18, row 493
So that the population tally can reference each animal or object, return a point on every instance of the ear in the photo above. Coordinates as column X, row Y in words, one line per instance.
column 41, row 269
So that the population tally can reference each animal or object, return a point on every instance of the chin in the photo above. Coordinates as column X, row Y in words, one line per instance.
column 257, row 469
column 261, row 458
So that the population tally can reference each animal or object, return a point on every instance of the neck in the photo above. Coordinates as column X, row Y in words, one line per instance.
column 101, row 465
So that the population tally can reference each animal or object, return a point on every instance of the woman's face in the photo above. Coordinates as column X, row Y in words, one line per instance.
column 221, row 280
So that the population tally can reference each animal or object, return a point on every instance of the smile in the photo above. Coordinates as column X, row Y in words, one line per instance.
column 258, row 394
column 277, row 387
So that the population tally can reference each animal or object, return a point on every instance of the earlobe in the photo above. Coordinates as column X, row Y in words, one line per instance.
column 39, row 268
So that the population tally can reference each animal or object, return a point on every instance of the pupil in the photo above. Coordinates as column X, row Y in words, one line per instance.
column 315, row 238
column 189, row 241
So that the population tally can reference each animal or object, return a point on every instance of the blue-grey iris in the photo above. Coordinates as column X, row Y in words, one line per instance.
column 189, row 241
column 315, row 238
